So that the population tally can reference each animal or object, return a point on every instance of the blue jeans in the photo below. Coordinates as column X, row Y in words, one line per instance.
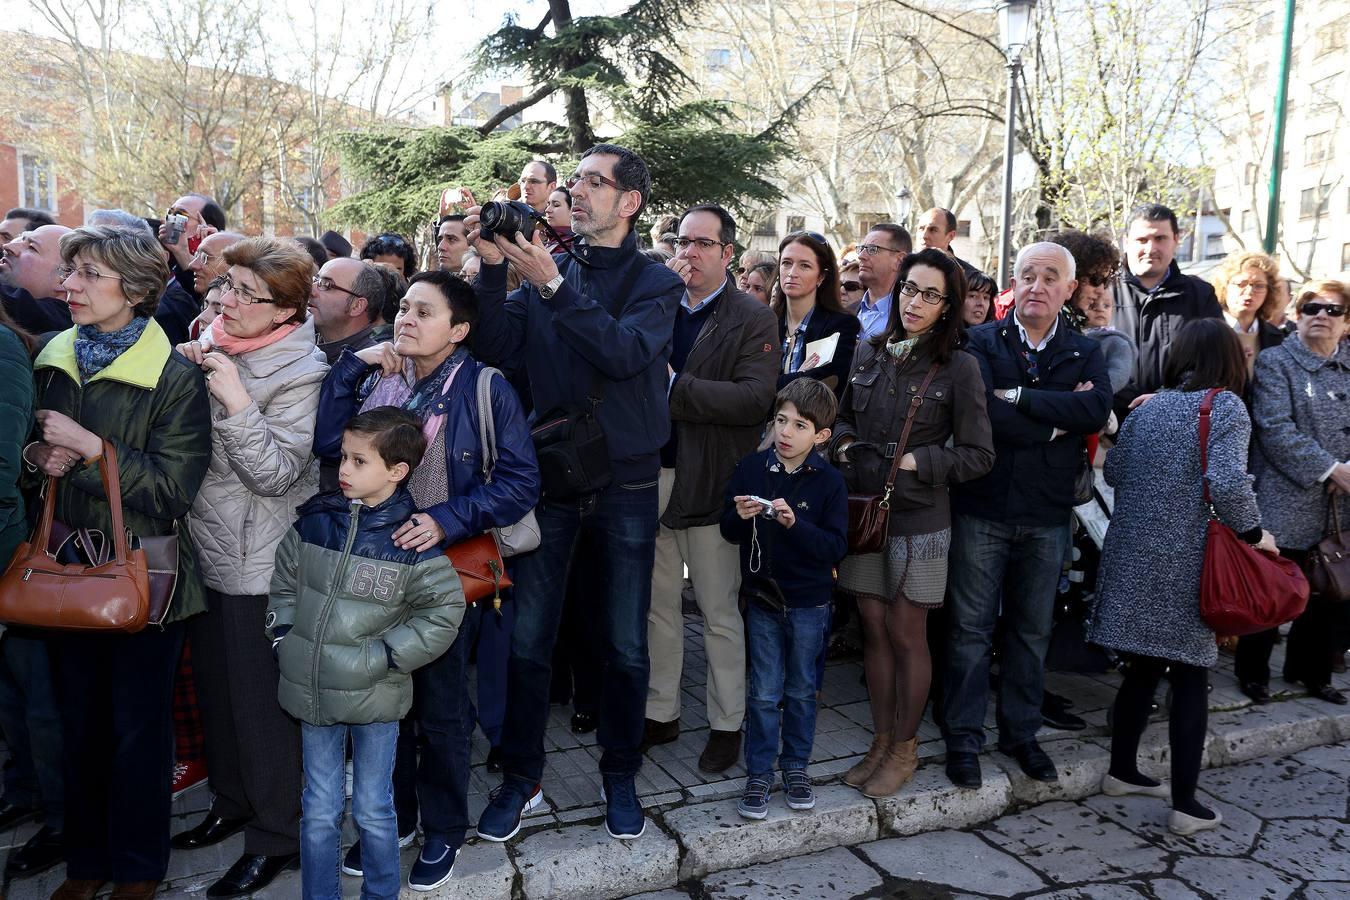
column 494, row 647
column 623, row 522
column 323, row 801
column 31, row 721
column 444, row 716
column 1021, row 564
column 783, row 649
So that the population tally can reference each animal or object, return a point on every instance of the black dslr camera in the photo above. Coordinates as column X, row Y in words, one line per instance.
column 505, row 218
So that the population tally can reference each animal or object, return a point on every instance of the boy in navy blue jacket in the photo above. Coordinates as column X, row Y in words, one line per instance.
column 787, row 508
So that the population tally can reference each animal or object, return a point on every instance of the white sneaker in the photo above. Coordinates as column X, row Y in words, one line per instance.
column 1182, row 824
column 1114, row 787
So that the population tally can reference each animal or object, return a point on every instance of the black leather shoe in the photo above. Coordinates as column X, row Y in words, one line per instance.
column 964, row 769
column 1055, row 713
column 1328, row 693
column 251, row 873
column 654, row 733
column 211, row 830
column 1034, row 761
column 494, row 759
column 14, row 815
column 1259, row 693
column 43, row 851
column 722, row 751
column 583, row 723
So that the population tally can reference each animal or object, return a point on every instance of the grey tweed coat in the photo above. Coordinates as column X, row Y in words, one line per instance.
column 1148, row 584
column 1301, row 415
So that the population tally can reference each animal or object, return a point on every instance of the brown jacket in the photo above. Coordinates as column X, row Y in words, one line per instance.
column 719, row 404
column 872, row 415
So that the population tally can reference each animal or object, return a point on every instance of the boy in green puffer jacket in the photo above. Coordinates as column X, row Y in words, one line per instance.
column 350, row 616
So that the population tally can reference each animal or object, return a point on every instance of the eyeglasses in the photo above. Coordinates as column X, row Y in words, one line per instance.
column 593, row 181
column 205, row 257
column 852, row 285
column 1256, row 287
column 910, row 289
column 1100, row 280
column 178, row 211
column 243, row 295
column 1312, row 309
column 524, row 181
column 703, row 244
column 324, row 283
column 874, row 249
column 86, row 273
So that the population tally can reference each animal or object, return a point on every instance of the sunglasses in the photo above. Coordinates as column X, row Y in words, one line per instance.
column 1332, row 309
column 813, row 235
column 1099, row 280
column 852, row 285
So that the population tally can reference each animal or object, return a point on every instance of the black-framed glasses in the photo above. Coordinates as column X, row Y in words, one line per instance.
column 324, row 283
column 244, row 295
column 874, row 249
column 593, row 181
column 86, row 273
column 703, row 244
column 1334, row 310
column 1100, row 280
column 927, row 295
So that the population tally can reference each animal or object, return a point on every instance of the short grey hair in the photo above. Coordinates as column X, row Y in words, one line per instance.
column 369, row 283
column 118, row 218
column 1070, row 267
column 136, row 257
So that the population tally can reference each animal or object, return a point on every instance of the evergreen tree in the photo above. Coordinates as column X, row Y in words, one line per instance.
column 618, row 66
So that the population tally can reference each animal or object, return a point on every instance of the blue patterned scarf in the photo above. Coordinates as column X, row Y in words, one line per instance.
column 96, row 350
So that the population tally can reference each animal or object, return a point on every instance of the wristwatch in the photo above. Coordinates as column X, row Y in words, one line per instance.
column 1012, row 395
column 550, row 288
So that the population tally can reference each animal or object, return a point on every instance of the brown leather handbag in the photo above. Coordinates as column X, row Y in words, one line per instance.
column 1328, row 565
column 869, row 513
column 478, row 560
column 73, row 580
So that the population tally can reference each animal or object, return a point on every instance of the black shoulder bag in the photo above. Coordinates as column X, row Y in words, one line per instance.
column 569, row 440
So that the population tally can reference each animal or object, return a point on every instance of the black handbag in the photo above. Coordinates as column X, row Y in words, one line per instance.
column 764, row 592
column 569, row 440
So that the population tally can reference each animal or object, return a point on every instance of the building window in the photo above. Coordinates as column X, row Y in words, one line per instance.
column 796, row 223
column 1318, row 148
column 717, row 59
column 1303, row 252
column 1214, row 246
column 37, row 183
column 1345, row 257
column 1331, row 37
column 306, row 199
column 1248, row 221
column 963, row 228
column 1325, row 99
column 768, row 226
column 1313, row 202
column 1249, row 174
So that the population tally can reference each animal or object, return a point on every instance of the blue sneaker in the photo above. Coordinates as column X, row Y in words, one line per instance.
column 434, row 866
column 755, row 801
column 351, row 863
column 797, row 786
column 623, row 813
column 506, row 804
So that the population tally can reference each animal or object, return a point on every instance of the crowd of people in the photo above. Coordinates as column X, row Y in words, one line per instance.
column 319, row 427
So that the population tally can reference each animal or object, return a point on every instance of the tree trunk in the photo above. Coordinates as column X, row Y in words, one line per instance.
column 578, row 113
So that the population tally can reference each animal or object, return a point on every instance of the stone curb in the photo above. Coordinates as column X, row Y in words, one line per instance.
column 697, row 839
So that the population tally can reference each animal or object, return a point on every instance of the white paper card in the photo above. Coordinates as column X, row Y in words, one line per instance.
column 824, row 348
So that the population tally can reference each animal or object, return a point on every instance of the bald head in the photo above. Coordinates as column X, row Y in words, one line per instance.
column 209, row 263
column 31, row 260
column 936, row 229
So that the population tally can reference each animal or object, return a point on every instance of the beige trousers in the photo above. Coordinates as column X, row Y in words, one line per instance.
column 715, row 569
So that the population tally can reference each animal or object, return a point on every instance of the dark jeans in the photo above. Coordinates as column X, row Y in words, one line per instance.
column 444, row 717
column 31, row 721
column 493, row 650
column 623, row 521
column 783, row 649
column 116, row 695
column 577, row 655
column 1313, row 638
column 1024, row 563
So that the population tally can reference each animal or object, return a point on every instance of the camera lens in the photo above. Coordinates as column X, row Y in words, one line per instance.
column 500, row 219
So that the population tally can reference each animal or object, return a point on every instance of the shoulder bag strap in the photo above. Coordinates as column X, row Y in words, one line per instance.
column 1206, row 407
column 914, row 403
column 487, row 425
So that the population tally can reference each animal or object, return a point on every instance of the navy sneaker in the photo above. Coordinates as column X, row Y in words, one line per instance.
column 623, row 813
column 506, row 804
column 755, row 801
column 797, row 785
column 351, row 863
column 434, row 866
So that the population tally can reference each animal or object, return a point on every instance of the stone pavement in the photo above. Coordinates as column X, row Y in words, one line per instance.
column 693, row 828
column 1285, row 834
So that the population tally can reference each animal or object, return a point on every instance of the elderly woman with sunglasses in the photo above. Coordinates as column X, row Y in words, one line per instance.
column 263, row 371
column 1302, row 439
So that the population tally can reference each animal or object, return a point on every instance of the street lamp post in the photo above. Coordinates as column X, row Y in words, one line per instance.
column 1014, row 30
column 904, row 205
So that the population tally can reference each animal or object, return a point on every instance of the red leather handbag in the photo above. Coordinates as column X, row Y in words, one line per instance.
column 1243, row 590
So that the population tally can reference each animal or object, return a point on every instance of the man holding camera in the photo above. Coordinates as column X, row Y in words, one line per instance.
column 595, row 334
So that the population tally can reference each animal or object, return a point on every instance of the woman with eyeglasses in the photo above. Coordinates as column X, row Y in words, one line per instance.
column 393, row 250
column 1097, row 263
column 806, row 300
column 950, row 440
column 1249, row 287
column 263, row 371
column 114, row 377
column 1302, row 438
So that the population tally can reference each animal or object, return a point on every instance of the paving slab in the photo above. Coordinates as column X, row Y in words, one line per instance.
column 714, row 837
column 1096, row 892
column 584, row 861
column 1311, row 849
column 957, row 859
column 483, row 871
column 1279, row 788
column 931, row 802
column 1147, row 817
column 1329, row 757
column 1275, row 729
column 1081, row 765
column 1071, row 844
column 1327, row 890
column 1228, row 877
column 1169, row 889
column 833, row 873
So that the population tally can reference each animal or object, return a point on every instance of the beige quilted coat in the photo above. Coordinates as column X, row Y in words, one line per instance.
column 261, row 465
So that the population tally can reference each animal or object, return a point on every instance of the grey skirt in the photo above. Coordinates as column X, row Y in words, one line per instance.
column 912, row 568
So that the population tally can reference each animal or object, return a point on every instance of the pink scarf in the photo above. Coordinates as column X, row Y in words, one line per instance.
column 394, row 390
column 215, row 337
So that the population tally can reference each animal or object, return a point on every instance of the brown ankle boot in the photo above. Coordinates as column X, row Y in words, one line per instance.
column 78, row 889
column 134, row 890
column 858, row 775
column 896, row 769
